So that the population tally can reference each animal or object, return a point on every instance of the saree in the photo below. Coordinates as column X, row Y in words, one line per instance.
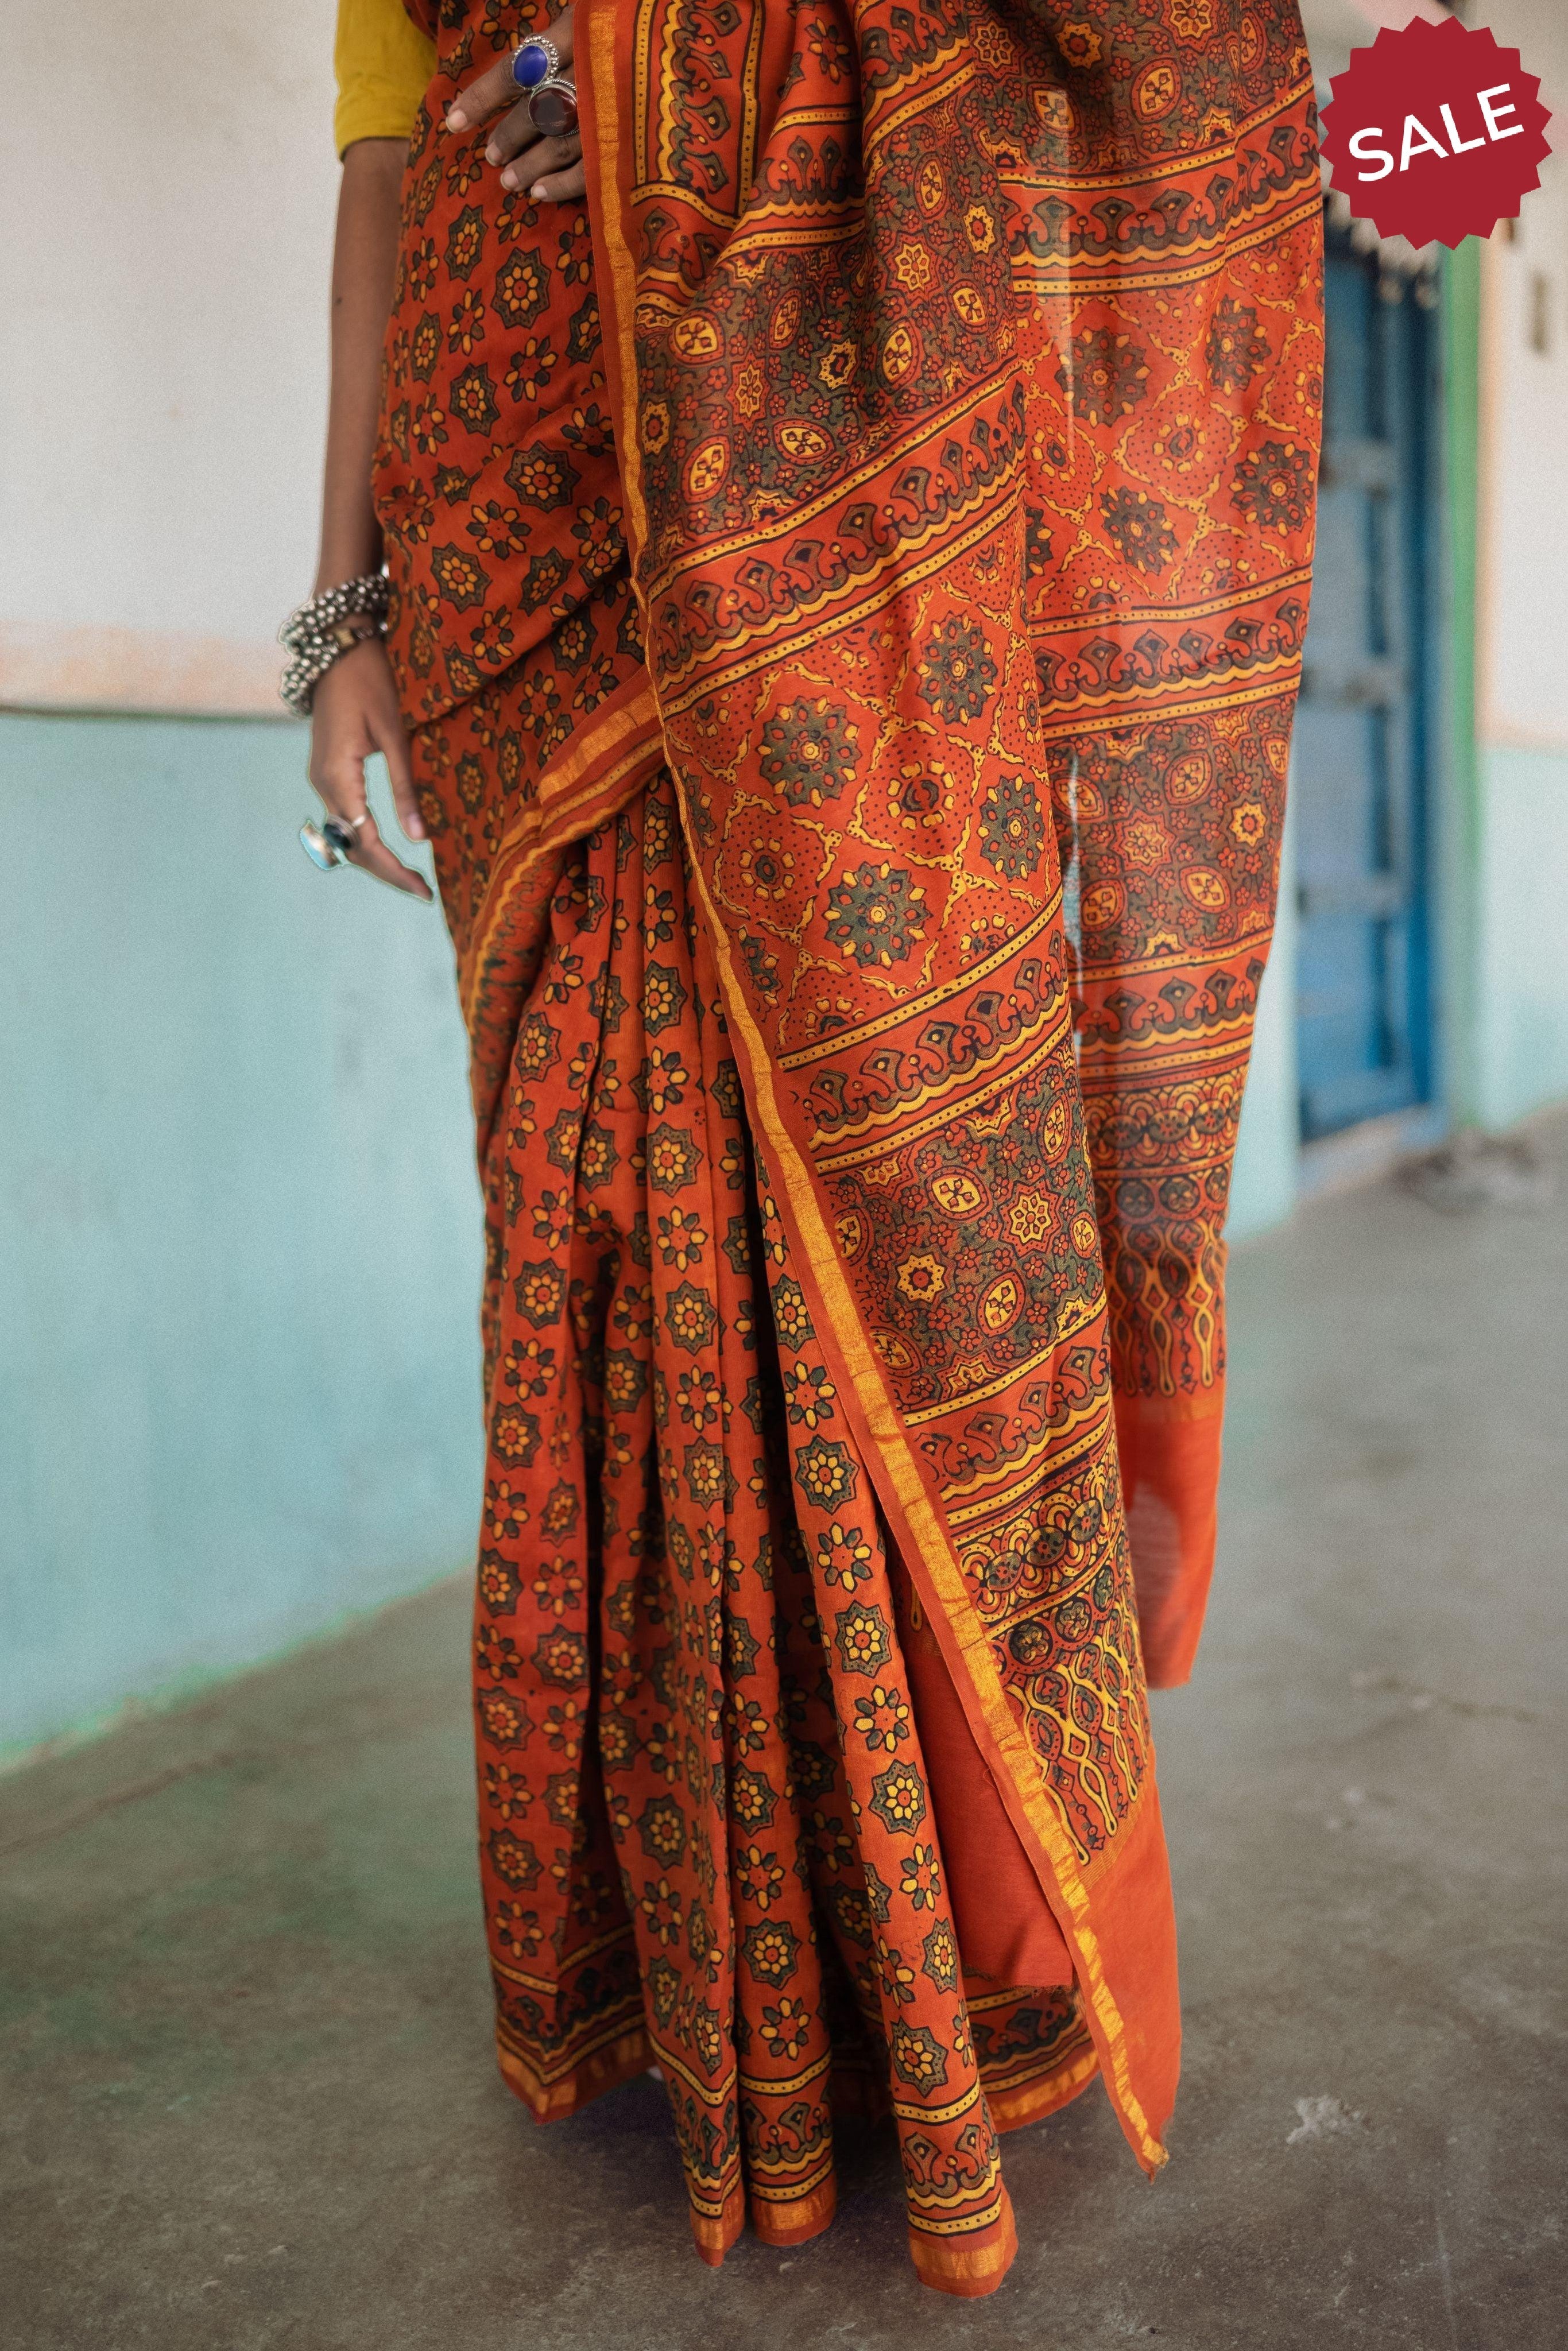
column 848, row 582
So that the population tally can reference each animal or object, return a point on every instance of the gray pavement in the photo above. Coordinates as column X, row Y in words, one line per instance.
column 248, row 2097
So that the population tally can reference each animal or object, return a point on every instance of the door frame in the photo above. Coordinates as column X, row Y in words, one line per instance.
column 1372, row 1148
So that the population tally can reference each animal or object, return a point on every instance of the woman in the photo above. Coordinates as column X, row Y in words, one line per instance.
column 847, row 505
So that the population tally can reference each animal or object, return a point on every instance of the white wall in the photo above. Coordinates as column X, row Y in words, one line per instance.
column 167, row 188
column 1522, row 651
column 1521, row 1054
column 239, row 1231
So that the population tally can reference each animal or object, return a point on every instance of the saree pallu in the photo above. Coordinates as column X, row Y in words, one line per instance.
column 861, row 883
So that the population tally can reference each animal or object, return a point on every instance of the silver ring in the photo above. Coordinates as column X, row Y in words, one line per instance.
column 536, row 48
column 552, row 107
column 328, row 843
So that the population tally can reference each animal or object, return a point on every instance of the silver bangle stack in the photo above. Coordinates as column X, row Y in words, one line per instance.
column 326, row 627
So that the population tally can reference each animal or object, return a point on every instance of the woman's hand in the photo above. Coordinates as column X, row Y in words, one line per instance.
column 353, row 713
column 354, row 710
column 549, row 169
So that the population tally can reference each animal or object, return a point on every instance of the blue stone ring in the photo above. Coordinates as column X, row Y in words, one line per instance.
column 535, row 62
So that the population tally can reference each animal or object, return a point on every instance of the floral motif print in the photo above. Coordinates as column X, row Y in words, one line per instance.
column 1135, row 525
column 1108, row 377
column 1235, row 350
column 876, row 915
column 957, row 672
column 862, row 1638
column 808, row 752
column 899, row 1797
column 1274, row 485
column 495, row 316
column 521, row 289
column 1012, row 828
column 1080, row 43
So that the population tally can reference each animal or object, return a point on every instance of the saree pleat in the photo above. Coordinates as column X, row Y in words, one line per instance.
column 708, row 1830
column 848, row 608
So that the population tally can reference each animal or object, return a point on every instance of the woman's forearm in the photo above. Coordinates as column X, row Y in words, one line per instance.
column 364, row 264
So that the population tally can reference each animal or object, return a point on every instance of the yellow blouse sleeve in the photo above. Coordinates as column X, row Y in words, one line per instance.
column 384, row 64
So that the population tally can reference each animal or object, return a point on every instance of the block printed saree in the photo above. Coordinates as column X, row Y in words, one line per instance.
column 849, row 589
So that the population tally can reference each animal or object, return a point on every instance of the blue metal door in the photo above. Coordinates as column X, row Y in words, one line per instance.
column 1363, row 734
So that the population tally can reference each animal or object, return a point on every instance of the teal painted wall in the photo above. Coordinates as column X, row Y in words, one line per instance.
column 1520, row 1056
column 239, row 1229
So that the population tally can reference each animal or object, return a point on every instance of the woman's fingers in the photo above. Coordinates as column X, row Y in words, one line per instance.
column 544, row 157
column 355, row 712
column 488, row 92
column 561, row 187
column 549, row 169
column 383, row 722
column 515, row 138
column 336, row 770
column 344, row 796
column 394, row 751
column 483, row 96
column 511, row 135
column 372, row 851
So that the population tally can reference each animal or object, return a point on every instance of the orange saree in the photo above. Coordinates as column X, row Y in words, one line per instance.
column 848, row 586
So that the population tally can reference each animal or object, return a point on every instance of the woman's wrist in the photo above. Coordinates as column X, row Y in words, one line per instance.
column 327, row 625
column 347, row 555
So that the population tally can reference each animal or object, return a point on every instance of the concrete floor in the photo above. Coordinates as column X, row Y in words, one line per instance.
column 246, row 2021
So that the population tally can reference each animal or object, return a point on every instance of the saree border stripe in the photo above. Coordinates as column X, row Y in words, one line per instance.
column 612, row 2058
column 858, row 478
column 927, row 1549
column 882, row 1022
column 1057, row 1029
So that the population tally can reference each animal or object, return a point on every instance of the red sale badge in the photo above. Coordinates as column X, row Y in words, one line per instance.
column 1434, row 133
